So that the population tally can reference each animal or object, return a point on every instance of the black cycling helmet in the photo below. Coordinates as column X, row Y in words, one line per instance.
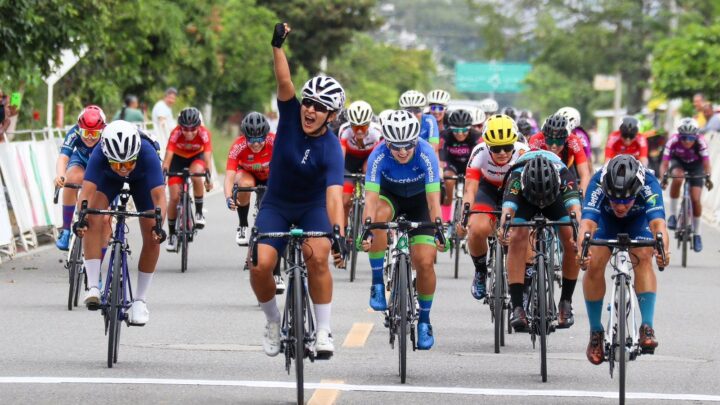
column 555, row 126
column 540, row 181
column 629, row 127
column 255, row 125
column 510, row 112
column 525, row 127
column 460, row 119
column 189, row 117
column 623, row 177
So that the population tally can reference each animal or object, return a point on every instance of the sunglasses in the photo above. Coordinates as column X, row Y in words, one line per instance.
column 460, row 130
column 622, row 200
column 255, row 140
column 188, row 129
column 502, row 148
column 360, row 128
column 413, row 110
column 398, row 146
column 89, row 134
column 316, row 105
column 437, row 107
column 118, row 166
column 555, row 141
column 688, row 138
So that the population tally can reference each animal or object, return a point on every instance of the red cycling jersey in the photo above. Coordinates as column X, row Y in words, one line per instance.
column 615, row 146
column 572, row 153
column 241, row 157
column 185, row 148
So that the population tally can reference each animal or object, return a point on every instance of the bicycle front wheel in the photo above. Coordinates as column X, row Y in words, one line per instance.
column 622, row 341
column 298, row 332
column 115, row 301
column 353, row 236
column 402, row 313
column 542, row 308
column 498, row 297
column 74, row 278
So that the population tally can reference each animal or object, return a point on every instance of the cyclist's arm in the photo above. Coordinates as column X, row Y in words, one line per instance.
column 707, row 167
column 229, row 182
column 371, row 203
column 168, row 158
column 471, row 188
column 61, row 165
column 208, row 156
column 285, row 86
column 643, row 149
column 663, row 168
column 659, row 225
column 586, row 225
column 336, row 210
column 511, row 196
column 584, row 174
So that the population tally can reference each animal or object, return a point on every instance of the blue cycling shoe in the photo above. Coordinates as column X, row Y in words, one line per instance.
column 425, row 336
column 377, row 297
column 672, row 222
column 63, row 242
column 478, row 289
column 697, row 243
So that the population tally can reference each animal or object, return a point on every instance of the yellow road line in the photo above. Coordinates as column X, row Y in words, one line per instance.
column 325, row 396
column 358, row 335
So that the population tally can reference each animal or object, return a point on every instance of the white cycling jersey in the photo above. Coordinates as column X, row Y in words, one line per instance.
column 363, row 147
column 482, row 166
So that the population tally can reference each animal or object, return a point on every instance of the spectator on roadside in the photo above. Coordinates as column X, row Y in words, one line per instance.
column 699, row 104
column 272, row 120
column 162, row 116
column 713, row 119
column 6, row 113
column 130, row 111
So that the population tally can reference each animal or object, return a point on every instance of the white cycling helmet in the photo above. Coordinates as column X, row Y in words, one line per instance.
column 572, row 115
column 120, row 141
column 688, row 126
column 383, row 115
column 438, row 96
column 489, row 106
column 326, row 91
column 478, row 116
column 412, row 98
column 359, row 113
column 400, row 126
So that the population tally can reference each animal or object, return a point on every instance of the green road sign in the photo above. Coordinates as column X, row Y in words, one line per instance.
column 491, row 77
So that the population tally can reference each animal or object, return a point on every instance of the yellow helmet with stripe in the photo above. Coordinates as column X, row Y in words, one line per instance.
column 499, row 130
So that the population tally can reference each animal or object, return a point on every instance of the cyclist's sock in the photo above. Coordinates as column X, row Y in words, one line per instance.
column 446, row 212
column 594, row 311
column 377, row 262
column 568, row 288
column 480, row 263
column 647, row 307
column 322, row 316
column 516, row 294
column 243, row 211
column 674, row 202
column 92, row 270
column 67, row 214
column 171, row 226
column 425, row 301
column 198, row 204
column 143, row 285
column 696, row 224
column 270, row 308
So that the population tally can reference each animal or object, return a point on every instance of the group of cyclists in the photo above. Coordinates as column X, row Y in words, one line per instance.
column 509, row 164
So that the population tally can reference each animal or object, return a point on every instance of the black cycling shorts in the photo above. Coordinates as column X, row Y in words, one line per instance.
column 414, row 208
column 695, row 168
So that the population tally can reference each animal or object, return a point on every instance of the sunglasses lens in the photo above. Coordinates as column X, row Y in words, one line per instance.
column 307, row 102
column 256, row 140
column 460, row 130
column 501, row 149
column 90, row 134
column 437, row 108
column 400, row 146
column 687, row 138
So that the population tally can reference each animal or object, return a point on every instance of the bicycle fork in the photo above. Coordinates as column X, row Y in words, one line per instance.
column 625, row 345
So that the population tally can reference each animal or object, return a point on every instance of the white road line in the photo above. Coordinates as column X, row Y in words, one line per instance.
column 494, row 392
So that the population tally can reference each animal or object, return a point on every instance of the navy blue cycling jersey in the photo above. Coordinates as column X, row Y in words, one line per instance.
column 302, row 167
column 429, row 129
column 73, row 143
column 148, row 168
column 648, row 203
column 419, row 175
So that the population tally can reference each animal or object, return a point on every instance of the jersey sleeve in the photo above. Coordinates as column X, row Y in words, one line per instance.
column 609, row 148
column 568, row 188
column 653, row 195
column 577, row 150
column 150, row 162
column 513, row 189
column 289, row 115
column 207, row 140
column 669, row 147
column 68, row 145
column 473, row 171
column 594, row 197
column 374, row 169
column 233, row 160
column 172, row 141
column 431, row 167
column 434, row 133
column 334, row 164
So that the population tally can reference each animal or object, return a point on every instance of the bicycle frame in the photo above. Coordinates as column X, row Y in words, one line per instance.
column 622, row 267
column 127, row 296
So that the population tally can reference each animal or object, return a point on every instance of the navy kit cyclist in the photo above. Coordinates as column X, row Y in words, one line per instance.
column 75, row 151
column 457, row 144
column 622, row 197
column 402, row 179
column 124, row 157
column 540, row 184
column 305, row 190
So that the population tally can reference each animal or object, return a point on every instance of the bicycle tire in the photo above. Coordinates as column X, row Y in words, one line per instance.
column 499, row 297
column 79, row 282
column 456, row 238
column 73, row 273
column 299, row 333
column 353, row 236
column 403, row 298
column 621, row 303
column 685, row 235
column 114, row 301
column 542, row 327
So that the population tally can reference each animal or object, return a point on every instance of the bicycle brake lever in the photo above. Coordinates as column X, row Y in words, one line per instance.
column 466, row 212
column 439, row 231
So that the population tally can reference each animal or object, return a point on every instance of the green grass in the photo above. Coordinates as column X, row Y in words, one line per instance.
column 221, row 146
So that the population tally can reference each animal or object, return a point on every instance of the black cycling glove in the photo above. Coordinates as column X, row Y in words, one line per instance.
column 279, row 35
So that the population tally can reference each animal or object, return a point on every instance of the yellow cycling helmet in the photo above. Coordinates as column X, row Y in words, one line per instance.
column 500, row 130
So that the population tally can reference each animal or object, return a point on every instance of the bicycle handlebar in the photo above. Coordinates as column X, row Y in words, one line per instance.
column 155, row 214
column 404, row 225
column 74, row 186
column 623, row 242
column 236, row 189
column 467, row 213
column 293, row 234
column 541, row 222
column 355, row 176
column 454, row 177
column 686, row 176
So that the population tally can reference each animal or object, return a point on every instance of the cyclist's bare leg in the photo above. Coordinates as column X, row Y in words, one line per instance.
column 594, row 278
column 480, row 227
column 261, row 276
column 570, row 268
column 174, row 198
column 347, row 201
column 244, row 179
column 198, row 187
column 423, row 259
column 695, row 193
column 384, row 213
column 645, row 280
column 75, row 175
column 150, row 249
column 449, row 188
column 316, row 252
column 93, row 239
column 517, row 252
column 676, row 184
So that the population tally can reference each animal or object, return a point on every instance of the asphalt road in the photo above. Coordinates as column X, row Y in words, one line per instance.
column 202, row 343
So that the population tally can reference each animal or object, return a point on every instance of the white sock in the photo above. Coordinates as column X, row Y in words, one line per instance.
column 322, row 316
column 92, row 269
column 143, row 285
column 272, row 313
column 674, row 202
column 696, row 221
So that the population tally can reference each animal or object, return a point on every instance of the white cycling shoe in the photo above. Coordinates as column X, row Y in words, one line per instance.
column 279, row 285
column 92, row 299
column 242, row 237
column 138, row 314
column 271, row 339
column 324, row 347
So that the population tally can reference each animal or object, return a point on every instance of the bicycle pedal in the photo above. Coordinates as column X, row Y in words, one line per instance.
column 93, row 307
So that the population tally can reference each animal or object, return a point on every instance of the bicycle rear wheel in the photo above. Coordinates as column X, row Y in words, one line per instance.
column 498, row 297
column 115, row 301
column 185, row 235
column 402, row 311
column 542, row 326
column 73, row 266
column 684, row 224
column 622, row 348
column 298, row 332
column 353, row 236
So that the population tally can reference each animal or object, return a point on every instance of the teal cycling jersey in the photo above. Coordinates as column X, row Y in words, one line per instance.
column 429, row 129
column 648, row 203
column 420, row 174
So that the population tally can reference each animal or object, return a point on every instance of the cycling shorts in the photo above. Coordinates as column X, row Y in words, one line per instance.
column 414, row 208
column 487, row 198
column 274, row 218
column 178, row 163
column 78, row 159
column 695, row 168
column 610, row 225
column 449, row 167
column 139, row 190
column 553, row 212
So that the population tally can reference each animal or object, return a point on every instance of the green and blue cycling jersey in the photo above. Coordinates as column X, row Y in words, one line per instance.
column 421, row 174
column 429, row 129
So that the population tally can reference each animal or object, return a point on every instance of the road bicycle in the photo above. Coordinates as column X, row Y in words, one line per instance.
column 74, row 261
column 402, row 312
column 354, row 222
column 457, row 212
column 542, row 310
column 185, row 227
column 684, row 230
column 116, row 295
column 622, row 340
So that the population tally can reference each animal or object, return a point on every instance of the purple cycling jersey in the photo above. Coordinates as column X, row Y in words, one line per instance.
column 674, row 149
column 585, row 139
